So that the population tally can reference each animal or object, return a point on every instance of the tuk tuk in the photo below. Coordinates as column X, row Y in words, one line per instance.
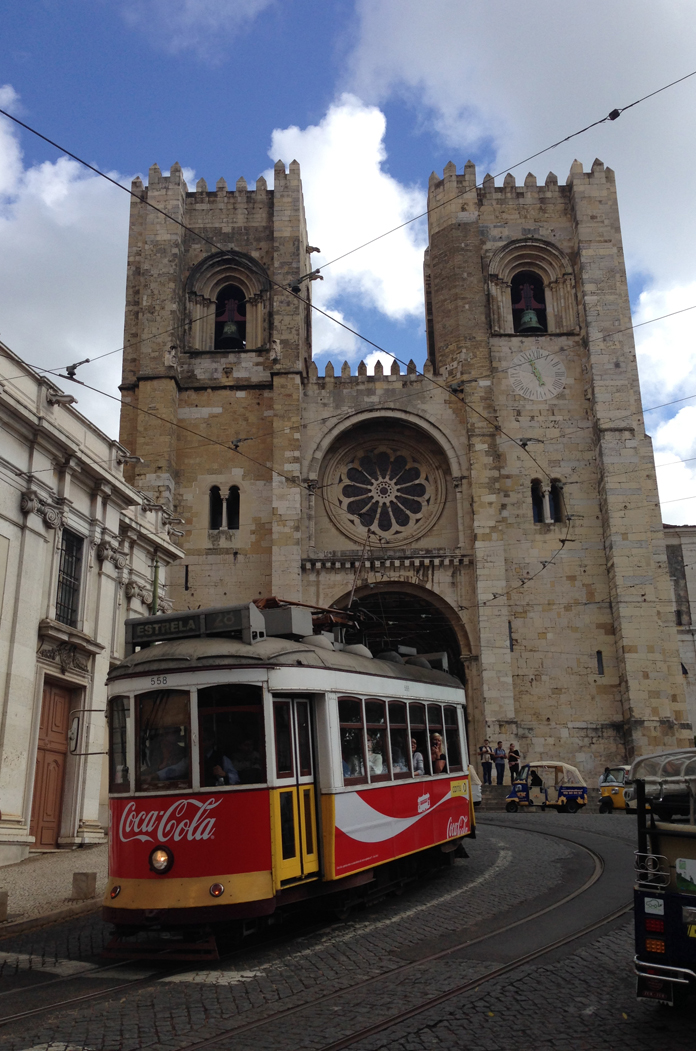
column 548, row 784
column 665, row 881
column 612, row 794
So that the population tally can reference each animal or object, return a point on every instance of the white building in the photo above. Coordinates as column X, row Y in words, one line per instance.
column 77, row 554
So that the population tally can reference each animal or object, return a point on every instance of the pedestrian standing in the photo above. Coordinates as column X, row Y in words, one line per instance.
column 486, row 757
column 499, row 757
column 513, row 758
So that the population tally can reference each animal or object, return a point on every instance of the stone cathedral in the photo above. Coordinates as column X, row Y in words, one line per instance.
column 500, row 508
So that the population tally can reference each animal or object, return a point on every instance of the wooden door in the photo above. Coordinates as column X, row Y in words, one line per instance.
column 50, row 766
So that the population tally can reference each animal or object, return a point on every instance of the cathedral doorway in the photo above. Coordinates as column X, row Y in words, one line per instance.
column 394, row 616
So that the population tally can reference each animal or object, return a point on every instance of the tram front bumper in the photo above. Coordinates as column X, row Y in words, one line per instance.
column 188, row 892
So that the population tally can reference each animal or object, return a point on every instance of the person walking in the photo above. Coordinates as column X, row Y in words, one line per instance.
column 513, row 758
column 499, row 757
column 486, row 757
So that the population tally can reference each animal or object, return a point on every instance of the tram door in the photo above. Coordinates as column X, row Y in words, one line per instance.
column 294, row 810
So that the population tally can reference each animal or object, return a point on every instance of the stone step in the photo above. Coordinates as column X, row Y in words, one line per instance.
column 493, row 797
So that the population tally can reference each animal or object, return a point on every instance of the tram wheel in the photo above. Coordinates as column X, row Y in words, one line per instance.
column 511, row 807
column 571, row 807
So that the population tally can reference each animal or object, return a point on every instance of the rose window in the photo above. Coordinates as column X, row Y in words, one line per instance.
column 394, row 491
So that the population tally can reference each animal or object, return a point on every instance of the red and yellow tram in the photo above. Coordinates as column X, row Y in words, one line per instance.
column 250, row 770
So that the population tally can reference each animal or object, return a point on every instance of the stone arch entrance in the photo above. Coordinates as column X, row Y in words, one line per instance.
column 400, row 614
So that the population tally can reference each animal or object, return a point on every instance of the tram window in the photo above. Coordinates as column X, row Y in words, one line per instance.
column 438, row 754
column 233, row 745
column 283, row 739
column 352, row 740
column 304, row 741
column 416, row 718
column 119, row 714
column 377, row 752
column 454, row 747
column 287, row 825
column 398, row 736
column 163, row 757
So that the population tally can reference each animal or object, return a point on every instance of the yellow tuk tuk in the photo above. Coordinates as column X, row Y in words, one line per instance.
column 611, row 791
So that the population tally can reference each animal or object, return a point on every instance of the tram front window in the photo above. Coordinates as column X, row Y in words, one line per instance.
column 352, row 740
column 164, row 740
column 233, row 742
column 119, row 713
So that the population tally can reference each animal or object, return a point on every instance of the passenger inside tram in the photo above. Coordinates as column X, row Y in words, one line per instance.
column 173, row 759
column 416, row 759
column 375, row 760
column 217, row 767
column 437, row 756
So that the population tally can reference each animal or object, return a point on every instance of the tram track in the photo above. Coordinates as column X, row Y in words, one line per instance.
column 312, row 1004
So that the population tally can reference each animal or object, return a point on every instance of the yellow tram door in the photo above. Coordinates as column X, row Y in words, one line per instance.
column 293, row 804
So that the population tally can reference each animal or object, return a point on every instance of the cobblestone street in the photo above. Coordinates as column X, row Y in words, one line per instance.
column 383, row 959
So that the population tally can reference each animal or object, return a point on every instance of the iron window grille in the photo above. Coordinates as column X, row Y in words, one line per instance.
column 69, row 577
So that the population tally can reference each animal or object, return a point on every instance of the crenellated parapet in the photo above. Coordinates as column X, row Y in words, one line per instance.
column 361, row 375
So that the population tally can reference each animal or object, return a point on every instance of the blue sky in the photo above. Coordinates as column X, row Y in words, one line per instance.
column 371, row 96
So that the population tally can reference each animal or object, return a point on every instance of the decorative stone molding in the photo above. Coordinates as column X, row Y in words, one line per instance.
column 69, row 657
column 107, row 551
column 379, row 564
column 556, row 272
column 143, row 593
column 32, row 503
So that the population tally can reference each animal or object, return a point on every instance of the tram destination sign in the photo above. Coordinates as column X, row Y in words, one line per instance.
column 244, row 622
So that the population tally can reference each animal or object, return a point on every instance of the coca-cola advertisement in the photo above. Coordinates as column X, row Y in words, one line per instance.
column 208, row 834
column 378, row 824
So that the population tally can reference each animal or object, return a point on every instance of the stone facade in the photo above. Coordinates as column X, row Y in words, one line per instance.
column 62, row 477
column 415, row 490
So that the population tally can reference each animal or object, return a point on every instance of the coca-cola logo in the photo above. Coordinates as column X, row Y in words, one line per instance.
column 185, row 819
column 457, row 828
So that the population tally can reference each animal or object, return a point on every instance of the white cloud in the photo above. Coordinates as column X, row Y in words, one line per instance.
column 63, row 244
column 676, row 440
column 206, row 27
column 349, row 197
column 505, row 84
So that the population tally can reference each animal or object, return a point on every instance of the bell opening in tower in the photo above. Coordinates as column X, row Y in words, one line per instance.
column 528, row 303
column 230, row 319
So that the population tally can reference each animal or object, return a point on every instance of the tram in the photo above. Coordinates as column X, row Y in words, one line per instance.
column 254, row 764
column 665, row 887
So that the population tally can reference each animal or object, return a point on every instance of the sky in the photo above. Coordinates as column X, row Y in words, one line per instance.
column 369, row 96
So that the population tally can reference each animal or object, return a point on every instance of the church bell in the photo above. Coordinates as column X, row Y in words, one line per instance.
column 528, row 323
column 231, row 330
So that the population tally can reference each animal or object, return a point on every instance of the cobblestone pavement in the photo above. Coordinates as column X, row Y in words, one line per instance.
column 510, row 872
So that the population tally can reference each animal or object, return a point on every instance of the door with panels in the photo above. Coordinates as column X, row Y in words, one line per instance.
column 293, row 801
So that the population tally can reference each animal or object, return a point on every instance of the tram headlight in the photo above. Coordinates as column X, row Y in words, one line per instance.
column 161, row 859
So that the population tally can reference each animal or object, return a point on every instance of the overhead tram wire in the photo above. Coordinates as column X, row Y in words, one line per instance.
column 613, row 115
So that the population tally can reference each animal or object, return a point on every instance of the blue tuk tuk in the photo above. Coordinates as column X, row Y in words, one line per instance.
column 548, row 784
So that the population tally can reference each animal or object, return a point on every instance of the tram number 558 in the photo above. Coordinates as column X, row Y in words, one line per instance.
column 158, row 680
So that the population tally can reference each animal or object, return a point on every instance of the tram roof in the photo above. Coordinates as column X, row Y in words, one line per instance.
column 190, row 654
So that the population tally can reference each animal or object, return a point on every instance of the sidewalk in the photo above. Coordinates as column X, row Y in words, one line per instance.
column 42, row 884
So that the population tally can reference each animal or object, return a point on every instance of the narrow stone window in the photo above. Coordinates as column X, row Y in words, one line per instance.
column 186, row 582
column 685, row 670
column 215, row 513
column 537, row 501
column 678, row 617
column 556, row 503
column 528, row 303
column 510, row 640
column 233, row 507
column 600, row 663
column 69, row 579
column 230, row 319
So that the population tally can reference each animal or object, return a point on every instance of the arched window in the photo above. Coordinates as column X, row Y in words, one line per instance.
column 528, row 303
column 557, row 511
column 233, row 507
column 230, row 319
column 215, row 505
column 537, row 501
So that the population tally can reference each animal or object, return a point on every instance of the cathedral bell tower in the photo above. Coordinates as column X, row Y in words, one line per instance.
column 216, row 348
column 529, row 324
